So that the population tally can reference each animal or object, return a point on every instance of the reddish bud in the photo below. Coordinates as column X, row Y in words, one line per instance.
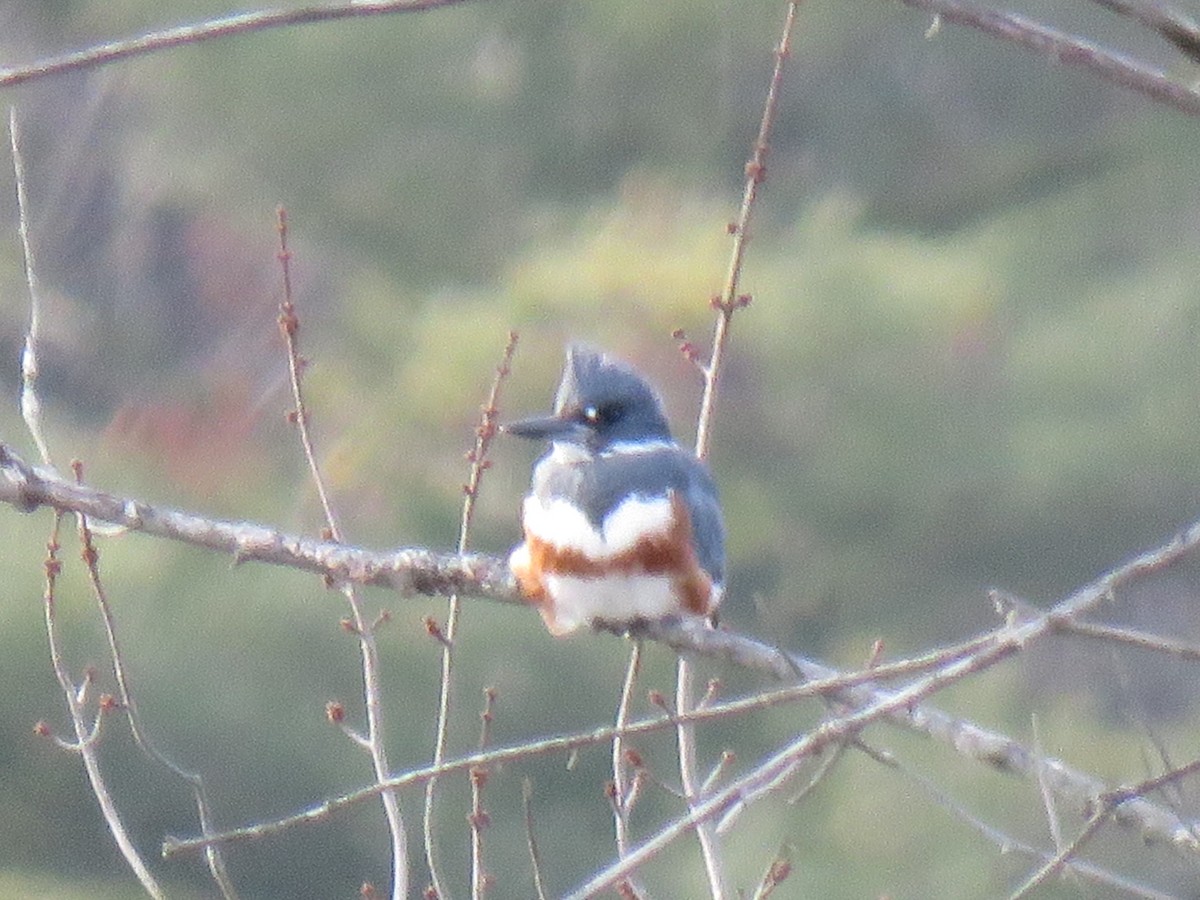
column 780, row 870
column 107, row 703
column 289, row 323
column 42, row 728
column 434, row 630
column 634, row 758
column 335, row 712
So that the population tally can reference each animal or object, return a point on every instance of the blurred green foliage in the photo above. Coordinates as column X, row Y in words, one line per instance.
column 970, row 361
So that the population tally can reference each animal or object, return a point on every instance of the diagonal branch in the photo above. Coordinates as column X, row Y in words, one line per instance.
column 1067, row 49
column 409, row 570
column 422, row 571
column 1170, row 24
column 227, row 26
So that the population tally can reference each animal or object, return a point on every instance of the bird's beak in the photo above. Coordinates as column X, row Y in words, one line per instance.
column 545, row 428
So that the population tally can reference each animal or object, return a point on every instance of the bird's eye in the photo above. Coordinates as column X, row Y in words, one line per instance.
column 604, row 414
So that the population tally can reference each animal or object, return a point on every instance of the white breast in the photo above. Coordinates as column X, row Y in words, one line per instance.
column 616, row 598
column 562, row 525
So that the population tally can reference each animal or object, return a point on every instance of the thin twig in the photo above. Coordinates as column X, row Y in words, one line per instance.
column 824, row 767
column 1067, row 49
column 622, row 780
column 481, row 880
column 289, row 327
column 779, row 767
column 31, row 406
column 535, row 856
column 496, row 757
column 1006, row 843
column 227, row 26
column 1139, row 639
column 87, row 733
column 730, row 300
column 484, row 432
column 364, row 628
column 91, row 558
column 1044, row 790
column 777, row 873
column 1156, row 824
column 1170, row 24
column 691, row 782
column 721, row 769
column 1059, row 861
column 1047, row 795
column 1150, row 785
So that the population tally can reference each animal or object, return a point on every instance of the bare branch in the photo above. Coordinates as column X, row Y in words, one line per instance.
column 1005, row 842
column 410, row 571
column 31, row 405
column 423, row 571
column 535, row 856
column 128, row 703
column 726, row 304
column 485, row 431
column 228, row 26
column 1170, row 24
column 87, row 733
column 1067, row 49
column 364, row 628
column 622, row 795
column 1139, row 639
column 1153, row 823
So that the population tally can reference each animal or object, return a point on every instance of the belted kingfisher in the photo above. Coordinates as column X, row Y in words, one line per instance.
column 621, row 523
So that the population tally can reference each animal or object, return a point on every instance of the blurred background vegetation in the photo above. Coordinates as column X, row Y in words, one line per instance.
column 970, row 362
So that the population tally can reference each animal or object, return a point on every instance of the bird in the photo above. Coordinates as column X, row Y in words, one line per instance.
column 621, row 524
